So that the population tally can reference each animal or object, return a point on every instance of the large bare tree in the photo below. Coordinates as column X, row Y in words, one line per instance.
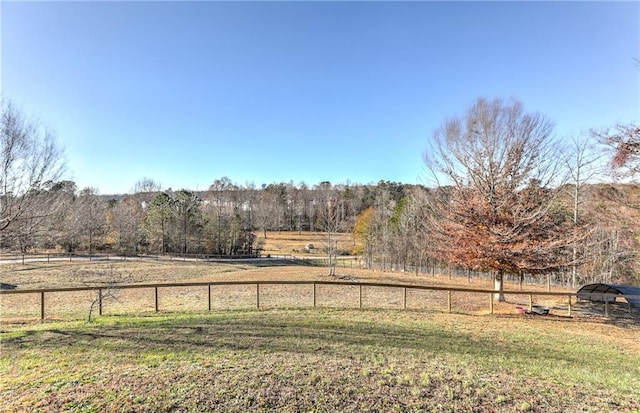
column 581, row 158
column 30, row 159
column 497, row 170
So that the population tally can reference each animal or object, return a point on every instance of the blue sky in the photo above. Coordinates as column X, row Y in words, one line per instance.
column 187, row 92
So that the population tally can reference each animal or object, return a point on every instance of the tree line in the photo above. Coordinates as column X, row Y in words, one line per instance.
column 501, row 195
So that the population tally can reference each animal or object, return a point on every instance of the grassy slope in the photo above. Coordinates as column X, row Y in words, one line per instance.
column 320, row 360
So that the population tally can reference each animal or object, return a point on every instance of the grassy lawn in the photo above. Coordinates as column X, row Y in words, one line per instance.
column 320, row 360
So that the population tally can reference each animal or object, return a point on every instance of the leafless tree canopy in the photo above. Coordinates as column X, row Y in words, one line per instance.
column 494, row 145
column 30, row 160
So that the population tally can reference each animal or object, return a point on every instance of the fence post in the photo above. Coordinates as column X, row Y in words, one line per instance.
column 156, row 300
column 22, row 259
column 360, row 295
column 530, row 302
column 48, row 258
column 99, row 301
column 606, row 306
column 314, row 295
column 569, row 308
column 258, row 296
column 449, row 301
column 404, row 298
column 209, row 297
column 491, row 303
column 42, row 306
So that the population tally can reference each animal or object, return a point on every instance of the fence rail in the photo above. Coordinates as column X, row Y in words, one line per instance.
column 61, row 256
column 100, row 290
column 74, row 256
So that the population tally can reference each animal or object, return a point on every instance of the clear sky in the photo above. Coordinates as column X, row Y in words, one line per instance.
column 187, row 92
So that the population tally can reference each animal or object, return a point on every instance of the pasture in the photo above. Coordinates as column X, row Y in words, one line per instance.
column 294, row 242
column 289, row 357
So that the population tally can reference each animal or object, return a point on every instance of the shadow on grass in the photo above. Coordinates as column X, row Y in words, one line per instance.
column 293, row 331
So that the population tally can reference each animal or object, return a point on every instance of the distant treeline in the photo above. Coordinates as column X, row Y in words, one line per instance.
column 507, row 197
column 220, row 221
column 388, row 219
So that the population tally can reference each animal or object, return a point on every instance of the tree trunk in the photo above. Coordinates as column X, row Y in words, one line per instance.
column 498, row 284
column 521, row 279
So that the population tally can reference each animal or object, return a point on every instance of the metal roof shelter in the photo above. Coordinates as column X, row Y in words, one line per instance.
column 602, row 292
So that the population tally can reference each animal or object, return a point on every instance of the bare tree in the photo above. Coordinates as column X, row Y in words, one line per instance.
column 89, row 216
column 329, row 222
column 126, row 221
column 146, row 185
column 581, row 159
column 108, row 289
column 29, row 159
column 495, row 211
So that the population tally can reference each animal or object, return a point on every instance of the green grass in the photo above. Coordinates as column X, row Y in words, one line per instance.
column 320, row 360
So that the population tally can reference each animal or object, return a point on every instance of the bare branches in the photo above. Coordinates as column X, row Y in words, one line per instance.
column 499, row 210
column 29, row 159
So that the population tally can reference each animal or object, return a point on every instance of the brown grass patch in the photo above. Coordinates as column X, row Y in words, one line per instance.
column 75, row 305
column 294, row 242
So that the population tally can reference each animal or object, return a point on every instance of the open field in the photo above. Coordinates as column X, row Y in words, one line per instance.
column 293, row 242
column 321, row 360
column 74, row 305
column 291, row 357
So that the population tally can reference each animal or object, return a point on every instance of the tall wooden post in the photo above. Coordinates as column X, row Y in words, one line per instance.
column 42, row 306
column 156, row 298
column 314, row 295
